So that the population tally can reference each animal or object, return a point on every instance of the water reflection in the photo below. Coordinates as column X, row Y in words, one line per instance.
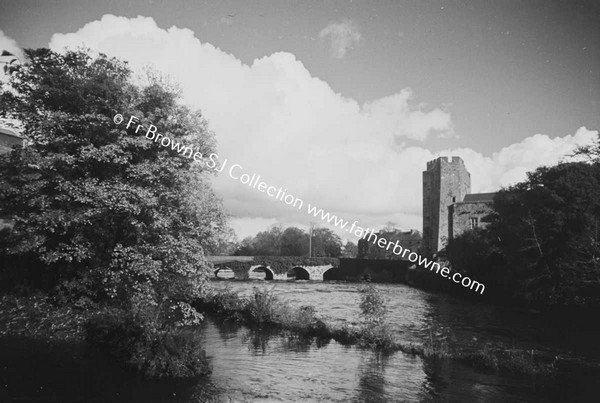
column 264, row 364
column 371, row 372
column 228, row 330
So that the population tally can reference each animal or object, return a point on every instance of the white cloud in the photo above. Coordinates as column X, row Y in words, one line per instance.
column 276, row 120
column 510, row 165
column 343, row 35
column 10, row 45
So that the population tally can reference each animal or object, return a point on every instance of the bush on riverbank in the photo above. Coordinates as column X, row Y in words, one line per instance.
column 374, row 331
column 166, row 345
column 145, row 341
column 263, row 308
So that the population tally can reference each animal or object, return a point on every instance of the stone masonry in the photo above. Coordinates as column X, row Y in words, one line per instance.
column 449, row 207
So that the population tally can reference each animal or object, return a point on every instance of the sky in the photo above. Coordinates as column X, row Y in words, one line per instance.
column 343, row 102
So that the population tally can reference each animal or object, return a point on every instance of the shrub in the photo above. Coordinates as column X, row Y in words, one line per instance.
column 146, row 342
column 228, row 304
column 262, row 307
column 372, row 303
column 170, row 353
column 374, row 332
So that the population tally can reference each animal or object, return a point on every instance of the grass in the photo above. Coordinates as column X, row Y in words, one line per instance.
column 263, row 308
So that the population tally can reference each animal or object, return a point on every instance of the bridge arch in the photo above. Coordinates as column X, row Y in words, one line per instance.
column 269, row 274
column 298, row 273
column 226, row 272
column 327, row 276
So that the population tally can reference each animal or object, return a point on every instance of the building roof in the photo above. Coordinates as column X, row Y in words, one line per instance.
column 479, row 198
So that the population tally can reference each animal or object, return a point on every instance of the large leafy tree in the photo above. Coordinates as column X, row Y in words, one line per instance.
column 294, row 242
column 549, row 228
column 268, row 243
column 326, row 243
column 98, row 209
column 543, row 241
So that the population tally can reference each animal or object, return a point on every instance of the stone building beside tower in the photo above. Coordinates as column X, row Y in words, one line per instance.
column 449, row 207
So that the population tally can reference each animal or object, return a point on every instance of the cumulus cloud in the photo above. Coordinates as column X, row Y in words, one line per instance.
column 10, row 45
column 511, row 164
column 275, row 119
column 343, row 35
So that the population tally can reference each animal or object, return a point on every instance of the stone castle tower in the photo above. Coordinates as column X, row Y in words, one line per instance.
column 445, row 182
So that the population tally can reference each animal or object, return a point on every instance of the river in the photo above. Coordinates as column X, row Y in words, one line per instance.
column 251, row 365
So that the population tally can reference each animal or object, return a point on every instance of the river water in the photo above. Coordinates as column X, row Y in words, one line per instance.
column 252, row 365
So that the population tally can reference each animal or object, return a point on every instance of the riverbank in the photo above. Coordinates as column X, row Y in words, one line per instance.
column 263, row 309
column 36, row 318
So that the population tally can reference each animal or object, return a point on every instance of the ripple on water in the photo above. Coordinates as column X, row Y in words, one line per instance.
column 296, row 370
column 417, row 316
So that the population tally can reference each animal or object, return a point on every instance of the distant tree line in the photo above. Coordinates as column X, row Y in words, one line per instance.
column 293, row 241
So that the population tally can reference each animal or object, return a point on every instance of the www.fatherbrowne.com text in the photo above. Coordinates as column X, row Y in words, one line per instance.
column 236, row 172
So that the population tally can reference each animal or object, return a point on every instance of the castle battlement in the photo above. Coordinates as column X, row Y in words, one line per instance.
column 446, row 160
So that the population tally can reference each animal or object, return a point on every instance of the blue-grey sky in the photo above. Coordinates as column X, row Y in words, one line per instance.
column 483, row 76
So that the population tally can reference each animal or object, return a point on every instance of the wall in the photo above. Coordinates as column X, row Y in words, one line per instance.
column 391, row 271
column 460, row 215
column 446, row 181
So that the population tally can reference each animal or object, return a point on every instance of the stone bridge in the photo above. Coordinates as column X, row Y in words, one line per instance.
column 275, row 267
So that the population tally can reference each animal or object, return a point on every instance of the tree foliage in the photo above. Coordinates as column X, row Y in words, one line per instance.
column 326, row 243
column 292, row 241
column 99, row 210
column 407, row 239
column 350, row 250
column 268, row 243
column 543, row 242
column 549, row 227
